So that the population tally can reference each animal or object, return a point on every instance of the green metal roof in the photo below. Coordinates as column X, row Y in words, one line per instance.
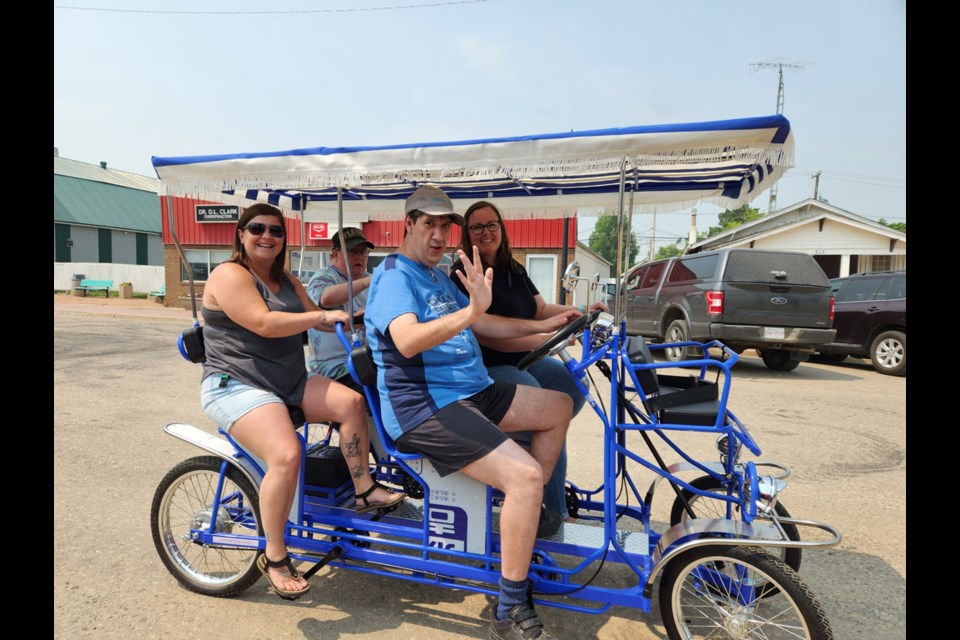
column 98, row 204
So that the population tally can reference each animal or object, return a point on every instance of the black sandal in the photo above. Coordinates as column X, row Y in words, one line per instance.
column 264, row 564
column 388, row 505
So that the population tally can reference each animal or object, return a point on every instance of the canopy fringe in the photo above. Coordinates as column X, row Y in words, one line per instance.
column 519, row 173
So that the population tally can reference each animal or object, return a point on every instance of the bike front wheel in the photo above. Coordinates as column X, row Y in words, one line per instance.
column 709, row 592
column 183, row 503
column 707, row 507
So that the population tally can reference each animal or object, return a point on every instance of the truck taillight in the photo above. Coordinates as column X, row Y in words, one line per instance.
column 832, row 303
column 715, row 302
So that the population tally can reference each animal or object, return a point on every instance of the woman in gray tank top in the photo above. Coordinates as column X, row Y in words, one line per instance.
column 254, row 313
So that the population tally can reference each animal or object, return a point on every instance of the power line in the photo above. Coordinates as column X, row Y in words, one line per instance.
column 272, row 12
column 864, row 179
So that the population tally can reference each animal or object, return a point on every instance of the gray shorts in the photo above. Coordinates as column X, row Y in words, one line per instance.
column 462, row 431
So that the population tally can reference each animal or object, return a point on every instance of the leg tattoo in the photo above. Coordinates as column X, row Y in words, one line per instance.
column 353, row 447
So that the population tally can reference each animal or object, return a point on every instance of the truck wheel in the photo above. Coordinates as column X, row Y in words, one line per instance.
column 778, row 359
column 889, row 353
column 676, row 332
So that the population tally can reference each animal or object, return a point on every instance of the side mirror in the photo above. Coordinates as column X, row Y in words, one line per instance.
column 571, row 275
column 596, row 282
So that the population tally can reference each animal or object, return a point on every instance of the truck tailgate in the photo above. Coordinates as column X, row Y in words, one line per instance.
column 775, row 290
column 776, row 305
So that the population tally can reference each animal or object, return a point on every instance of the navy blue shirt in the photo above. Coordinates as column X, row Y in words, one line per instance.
column 513, row 297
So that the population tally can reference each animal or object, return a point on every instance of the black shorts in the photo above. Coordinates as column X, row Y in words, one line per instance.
column 462, row 431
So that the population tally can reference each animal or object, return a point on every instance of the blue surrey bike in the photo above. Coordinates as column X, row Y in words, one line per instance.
column 727, row 561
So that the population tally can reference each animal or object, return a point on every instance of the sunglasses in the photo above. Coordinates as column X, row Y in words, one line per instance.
column 257, row 229
column 477, row 229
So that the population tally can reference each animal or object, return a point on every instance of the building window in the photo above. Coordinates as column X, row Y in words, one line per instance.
column 202, row 262
column 312, row 261
column 880, row 263
column 542, row 270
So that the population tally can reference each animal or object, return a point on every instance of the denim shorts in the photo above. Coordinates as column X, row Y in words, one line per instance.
column 225, row 405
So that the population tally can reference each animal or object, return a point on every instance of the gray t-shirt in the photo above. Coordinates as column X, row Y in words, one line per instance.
column 327, row 355
column 273, row 364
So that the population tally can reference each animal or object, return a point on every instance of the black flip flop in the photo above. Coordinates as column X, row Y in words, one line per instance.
column 264, row 563
column 387, row 505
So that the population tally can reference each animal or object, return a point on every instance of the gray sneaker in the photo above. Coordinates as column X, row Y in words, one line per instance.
column 550, row 523
column 521, row 623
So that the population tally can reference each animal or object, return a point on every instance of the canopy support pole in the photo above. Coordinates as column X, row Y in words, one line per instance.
column 303, row 241
column 623, row 173
column 183, row 258
column 563, row 261
column 346, row 262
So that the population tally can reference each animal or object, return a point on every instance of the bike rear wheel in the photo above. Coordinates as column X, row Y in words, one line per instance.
column 708, row 592
column 183, row 502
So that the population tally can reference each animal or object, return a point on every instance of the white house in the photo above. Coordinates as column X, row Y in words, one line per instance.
column 840, row 241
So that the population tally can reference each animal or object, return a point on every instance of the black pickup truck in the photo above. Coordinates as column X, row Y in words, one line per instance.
column 776, row 302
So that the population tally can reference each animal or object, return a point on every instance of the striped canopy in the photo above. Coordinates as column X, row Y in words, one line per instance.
column 665, row 168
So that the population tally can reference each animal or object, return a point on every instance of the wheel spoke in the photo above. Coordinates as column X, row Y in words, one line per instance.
column 184, row 505
column 715, row 592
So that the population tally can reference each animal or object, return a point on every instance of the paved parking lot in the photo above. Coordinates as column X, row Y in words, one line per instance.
column 118, row 379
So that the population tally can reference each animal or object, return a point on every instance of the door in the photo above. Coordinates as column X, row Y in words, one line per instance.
column 642, row 288
column 856, row 302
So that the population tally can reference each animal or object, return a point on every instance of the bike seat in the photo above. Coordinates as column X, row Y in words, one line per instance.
column 364, row 370
column 673, row 399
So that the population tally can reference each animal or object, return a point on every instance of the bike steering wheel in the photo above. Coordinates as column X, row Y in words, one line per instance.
column 557, row 339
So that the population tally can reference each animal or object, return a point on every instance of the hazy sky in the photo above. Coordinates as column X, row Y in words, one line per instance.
column 136, row 79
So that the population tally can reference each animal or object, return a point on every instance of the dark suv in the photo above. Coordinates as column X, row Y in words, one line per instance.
column 871, row 321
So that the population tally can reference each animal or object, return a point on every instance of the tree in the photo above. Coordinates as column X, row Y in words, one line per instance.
column 731, row 218
column 668, row 251
column 603, row 239
column 899, row 226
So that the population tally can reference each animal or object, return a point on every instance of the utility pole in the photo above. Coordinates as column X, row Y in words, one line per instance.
column 779, row 66
column 816, row 185
column 653, row 237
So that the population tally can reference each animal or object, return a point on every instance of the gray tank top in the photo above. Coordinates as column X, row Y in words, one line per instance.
column 273, row 364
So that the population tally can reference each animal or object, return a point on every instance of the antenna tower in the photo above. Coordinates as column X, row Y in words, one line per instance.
column 779, row 66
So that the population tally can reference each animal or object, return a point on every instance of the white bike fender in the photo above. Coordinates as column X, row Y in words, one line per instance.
column 215, row 445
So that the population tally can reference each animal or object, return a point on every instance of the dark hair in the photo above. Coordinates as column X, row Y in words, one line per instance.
column 413, row 215
column 240, row 254
column 504, row 257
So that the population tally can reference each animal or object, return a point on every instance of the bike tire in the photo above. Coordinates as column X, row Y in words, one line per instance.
column 182, row 502
column 700, row 597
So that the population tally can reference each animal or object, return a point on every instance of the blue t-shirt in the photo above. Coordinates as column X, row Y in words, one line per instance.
column 413, row 389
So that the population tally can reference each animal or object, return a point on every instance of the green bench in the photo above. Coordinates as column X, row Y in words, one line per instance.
column 160, row 294
column 95, row 285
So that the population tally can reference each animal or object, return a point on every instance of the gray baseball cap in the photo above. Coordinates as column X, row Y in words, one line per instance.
column 434, row 202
